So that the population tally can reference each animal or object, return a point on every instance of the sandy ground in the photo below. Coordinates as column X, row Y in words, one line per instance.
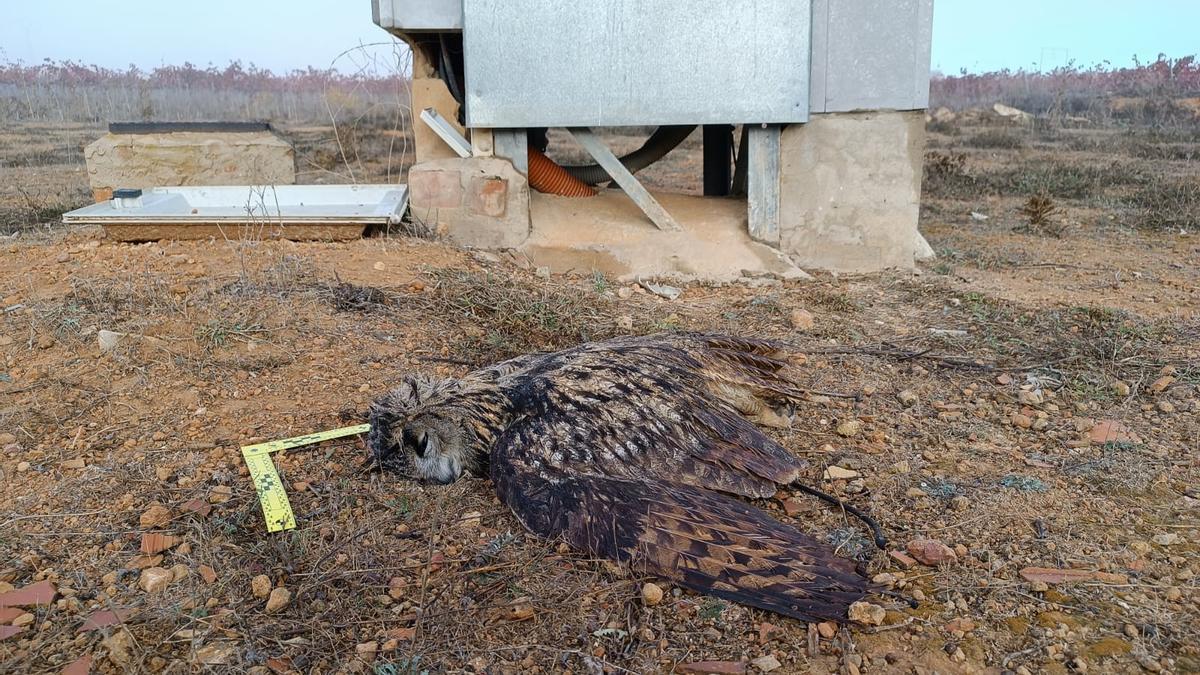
column 1025, row 400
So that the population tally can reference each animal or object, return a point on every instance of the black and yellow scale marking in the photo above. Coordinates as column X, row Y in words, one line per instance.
column 276, row 508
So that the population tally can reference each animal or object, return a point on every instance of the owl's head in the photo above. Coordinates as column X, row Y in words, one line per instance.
column 427, row 427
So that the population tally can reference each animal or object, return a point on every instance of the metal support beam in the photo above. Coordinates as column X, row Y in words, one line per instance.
column 762, row 182
column 718, row 149
column 457, row 142
column 513, row 145
column 640, row 196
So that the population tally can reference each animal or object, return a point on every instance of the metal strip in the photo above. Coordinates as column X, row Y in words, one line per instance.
column 640, row 196
column 763, row 183
column 513, row 145
column 457, row 142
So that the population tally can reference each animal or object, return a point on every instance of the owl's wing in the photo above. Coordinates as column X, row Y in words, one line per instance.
column 705, row 541
column 665, row 407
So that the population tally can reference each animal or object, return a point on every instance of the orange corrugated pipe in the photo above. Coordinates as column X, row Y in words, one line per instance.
column 546, row 176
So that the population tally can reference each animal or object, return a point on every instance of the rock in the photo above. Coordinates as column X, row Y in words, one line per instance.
column 366, row 650
column 23, row 620
column 22, row 467
column 849, row 428
column 108, row 340
column 1038, row 586
column 802, row 319
column 155, row 516
column 379, row 266
column 261, row 586
column 1022, row 421
column 931, row 552
column 197, row 506
column 1111, row 431
column 867, row 613
column 907, row 398
column 766, row 663
column 220, row 494
column 79, row 463
column 1165, row 407
column 652, row 594
column 1160, row 385
column 1120, row 388
column 1004, row 379
column 215, row 654
column 838, row 473
column 155, row 579
column 179, row 572
column 163, row 473
column 279, row 599
column 906, row 561
column 120, row 647
column 208, row 574
column 1165, row 539
column 827, row 629
column 961, row 625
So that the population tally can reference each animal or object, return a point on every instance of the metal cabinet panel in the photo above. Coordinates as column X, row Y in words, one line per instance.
column 415, row 16
column 534, row 63
column 870, row 54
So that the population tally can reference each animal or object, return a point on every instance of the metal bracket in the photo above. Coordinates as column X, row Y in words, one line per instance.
column 636, row 191
column 762, row 182
column 457, row 142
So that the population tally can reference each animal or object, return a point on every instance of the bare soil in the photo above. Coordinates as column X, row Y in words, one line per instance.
column 992, row 401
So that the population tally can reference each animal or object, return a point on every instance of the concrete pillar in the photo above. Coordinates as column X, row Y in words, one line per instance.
column 850, row 190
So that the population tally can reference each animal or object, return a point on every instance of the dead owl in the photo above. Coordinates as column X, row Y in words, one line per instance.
column 634, row 449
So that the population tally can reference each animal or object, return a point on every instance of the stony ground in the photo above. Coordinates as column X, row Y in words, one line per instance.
column 1023, row 421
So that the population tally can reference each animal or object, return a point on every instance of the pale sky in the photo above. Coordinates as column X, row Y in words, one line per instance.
column 282, row 35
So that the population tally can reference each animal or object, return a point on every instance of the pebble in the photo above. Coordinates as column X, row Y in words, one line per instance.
column 849, row 428
column 155, row 516
column 155, row 579
column 27, row 618
column 1166, row 407
column 119, row 646
column 1120, row 388
column 280, row 597
column 366, row 650
column 1165, row 539
column 867, row 613
column 1022, row 421
column 802, row 319
column 1031, row 397
column 766, row 663
column 827, row 629
column 1160, row 385
column 835, row 472
column 931, row 552
column 652, row 594
column 907, row 398
column 261, row 586
column 220, row 494
column 960, row 503
column 22, row 467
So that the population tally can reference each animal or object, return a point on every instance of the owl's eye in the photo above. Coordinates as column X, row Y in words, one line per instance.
column 418, row 442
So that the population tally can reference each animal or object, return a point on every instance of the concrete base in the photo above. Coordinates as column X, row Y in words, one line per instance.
column 608, row 233
column 170, row 159
column 481, row 202
column 850, row 189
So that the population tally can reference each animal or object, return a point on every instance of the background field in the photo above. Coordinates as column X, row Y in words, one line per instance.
column 1029, row 398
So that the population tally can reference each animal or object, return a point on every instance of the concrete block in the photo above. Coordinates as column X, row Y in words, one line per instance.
column 188, row 158
column 850, row 191
column 488, row 196
column 481, row 202
column 435, row 188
